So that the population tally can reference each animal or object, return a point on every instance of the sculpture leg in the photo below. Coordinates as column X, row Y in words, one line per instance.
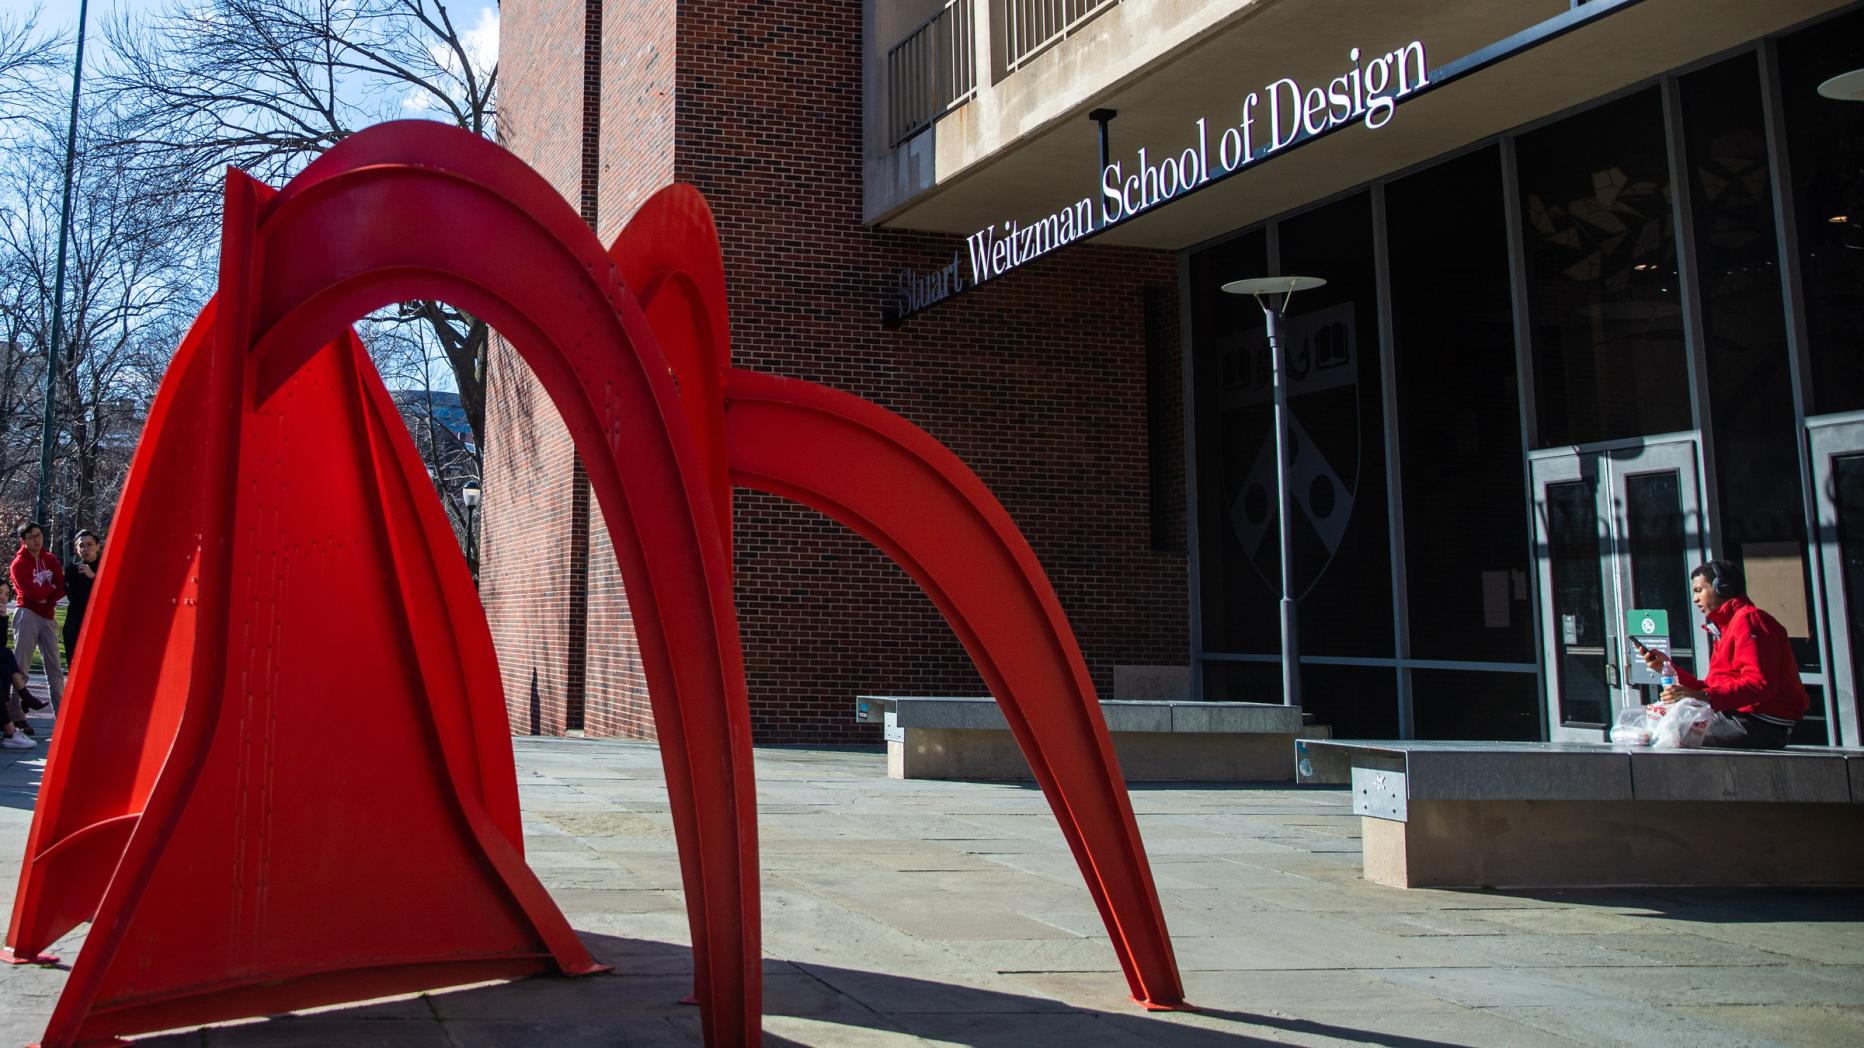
column 900, row 489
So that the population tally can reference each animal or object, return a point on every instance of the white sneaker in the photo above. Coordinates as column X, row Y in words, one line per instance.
column 18, row 741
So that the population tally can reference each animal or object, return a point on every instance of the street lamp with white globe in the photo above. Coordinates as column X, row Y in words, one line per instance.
column 469, row 497
column 1265, row 291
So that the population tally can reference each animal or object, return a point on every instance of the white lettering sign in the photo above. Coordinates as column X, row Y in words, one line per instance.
column 995, row 251
column 1279, row 115
column 1272, row 119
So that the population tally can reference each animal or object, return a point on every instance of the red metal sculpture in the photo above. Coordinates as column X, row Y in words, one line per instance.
column 280, row 556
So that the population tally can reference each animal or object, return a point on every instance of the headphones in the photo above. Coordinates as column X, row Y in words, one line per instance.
column 1724, row 578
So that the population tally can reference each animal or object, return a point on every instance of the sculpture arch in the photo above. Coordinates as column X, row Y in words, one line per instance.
column 211, row 760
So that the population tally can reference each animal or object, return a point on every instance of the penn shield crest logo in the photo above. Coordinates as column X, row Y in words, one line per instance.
column 1323, row 471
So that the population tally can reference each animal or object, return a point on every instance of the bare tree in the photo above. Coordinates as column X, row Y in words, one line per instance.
column 22, row 378
column 405, row 355
column 129, row 282
column 267, row 85
column 27, row 57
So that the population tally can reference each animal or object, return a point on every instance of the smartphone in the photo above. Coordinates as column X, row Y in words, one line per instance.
column 1639, row 645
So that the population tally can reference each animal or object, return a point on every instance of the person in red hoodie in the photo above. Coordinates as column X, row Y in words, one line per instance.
column 1753, row 682
column 40, row 582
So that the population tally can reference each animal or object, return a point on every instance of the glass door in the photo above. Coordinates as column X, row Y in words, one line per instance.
column 1616, row 530
column 1570, row 541
column 1838, row 479
column 1658, row 539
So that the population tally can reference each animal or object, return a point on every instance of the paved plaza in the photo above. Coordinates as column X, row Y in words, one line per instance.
column 934, row 913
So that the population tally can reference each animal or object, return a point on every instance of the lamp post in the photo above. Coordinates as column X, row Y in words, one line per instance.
column 1273, row 314
column 47, row 433
column 469, row 496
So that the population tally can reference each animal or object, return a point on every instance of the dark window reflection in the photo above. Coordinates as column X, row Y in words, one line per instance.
column 1659, row 556
column 1814, row 729
column 1750, row 383
column 1455, row 704
column 1358, row 702
column 1459, row 416
column 1825, row 150
column 1237, row 546
column 1242, row 682
column 1579, row 629
column 1602, row 282
column 1848, row 480
column 1342, row 544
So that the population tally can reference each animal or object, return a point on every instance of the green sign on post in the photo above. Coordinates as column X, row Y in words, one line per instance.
column 1651, row 626
column 1647, row 622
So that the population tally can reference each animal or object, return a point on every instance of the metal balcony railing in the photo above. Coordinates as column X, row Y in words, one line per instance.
column 1030, row 26
column 931, row 71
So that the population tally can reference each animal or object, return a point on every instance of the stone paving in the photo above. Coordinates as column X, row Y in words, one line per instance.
column 936, row 913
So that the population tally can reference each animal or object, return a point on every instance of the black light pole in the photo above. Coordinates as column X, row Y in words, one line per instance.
column 1273, row 314
column 47, row 434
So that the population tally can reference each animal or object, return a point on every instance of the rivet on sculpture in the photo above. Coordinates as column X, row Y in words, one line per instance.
column 231, row 858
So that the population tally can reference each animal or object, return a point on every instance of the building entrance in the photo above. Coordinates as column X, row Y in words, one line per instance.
column 1837, row 444
column 1616, row 530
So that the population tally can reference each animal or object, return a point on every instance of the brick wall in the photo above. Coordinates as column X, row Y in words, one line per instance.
column 637, row 107
column 1038, row 381
column 526, row 518
column 636, row 159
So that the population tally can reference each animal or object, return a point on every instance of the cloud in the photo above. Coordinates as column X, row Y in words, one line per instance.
column 481, row 45
column 482, row 40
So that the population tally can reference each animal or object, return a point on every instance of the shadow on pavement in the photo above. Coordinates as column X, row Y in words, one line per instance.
column 20, row 772
column 1713, row 905
column 1181, row 785
column 638, row 1004
column 1176, row 1036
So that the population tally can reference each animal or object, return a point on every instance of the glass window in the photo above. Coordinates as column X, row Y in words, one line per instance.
column 1848, row 497
column 1459, row 415
column 1601, row 268
column 1825, row 152
column 1660, row 559
column 1814, row 729
column 1242, row 682
column 1342, row 542
column 1762, row 514
column 1459, row 704
column 1240, row 581
column 1357, row 702
column 1574, row 559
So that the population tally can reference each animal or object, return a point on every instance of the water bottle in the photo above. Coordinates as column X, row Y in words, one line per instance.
column 1665, row 676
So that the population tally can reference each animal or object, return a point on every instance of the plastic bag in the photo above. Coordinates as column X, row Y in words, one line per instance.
column 1682, row 725
column 1634, row 727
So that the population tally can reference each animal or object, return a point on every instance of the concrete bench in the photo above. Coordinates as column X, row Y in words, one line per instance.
column 1528, row 814
column 967, row 738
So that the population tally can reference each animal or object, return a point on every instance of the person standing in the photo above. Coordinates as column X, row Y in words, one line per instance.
column 78, row 583
column 1753, row 681
column 40, row 582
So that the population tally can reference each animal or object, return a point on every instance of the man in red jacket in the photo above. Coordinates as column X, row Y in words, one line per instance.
column 1753, row 682
column 40, row 582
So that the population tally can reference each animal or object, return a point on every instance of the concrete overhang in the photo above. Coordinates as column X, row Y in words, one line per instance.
column 1044, row 169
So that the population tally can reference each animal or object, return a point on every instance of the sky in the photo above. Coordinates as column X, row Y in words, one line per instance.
column 480, row 15
column 64, row 13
